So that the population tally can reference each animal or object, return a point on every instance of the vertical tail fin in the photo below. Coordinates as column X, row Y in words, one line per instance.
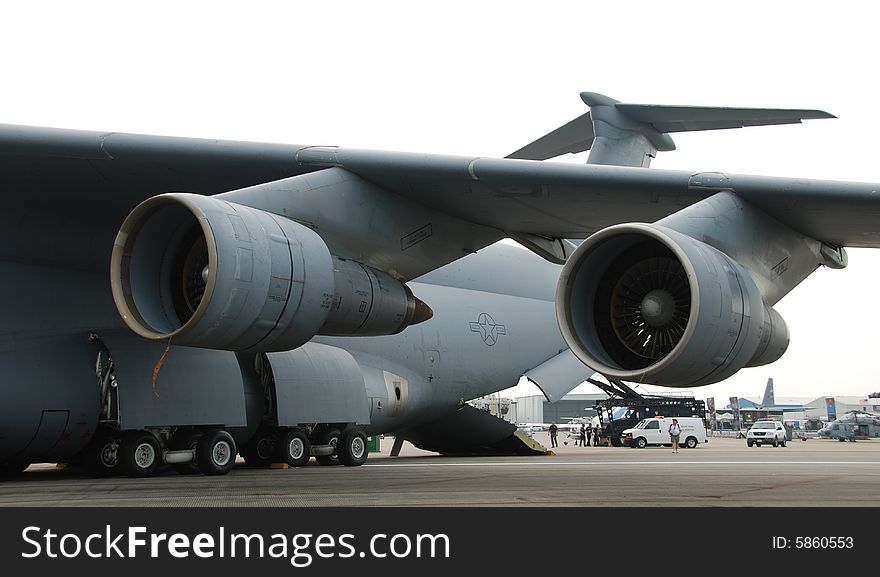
column 769, row 398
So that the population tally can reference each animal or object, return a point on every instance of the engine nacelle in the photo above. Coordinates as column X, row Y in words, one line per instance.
column 646, row 304
column 209, row 273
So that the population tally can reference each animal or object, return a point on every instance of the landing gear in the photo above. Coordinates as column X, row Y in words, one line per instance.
column 186, row 441
column 351, row 448
column 215, row 452
column 102, row 455
column 328, row 436
column 294, row 446
column 260, row 450
column 139, row 454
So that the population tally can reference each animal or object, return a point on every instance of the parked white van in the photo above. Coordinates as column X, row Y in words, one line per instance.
column 655, row 431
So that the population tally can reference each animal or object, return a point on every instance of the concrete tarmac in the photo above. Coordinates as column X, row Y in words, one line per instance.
column 723, row 472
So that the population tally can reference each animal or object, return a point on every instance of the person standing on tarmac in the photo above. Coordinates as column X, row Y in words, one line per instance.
column 583, row 439
column 674, row 434
column 553, row 430
column 589, row 433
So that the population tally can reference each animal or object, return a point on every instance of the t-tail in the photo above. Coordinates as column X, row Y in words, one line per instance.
column 623, row 134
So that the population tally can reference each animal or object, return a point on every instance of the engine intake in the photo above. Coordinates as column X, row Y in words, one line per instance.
column 645, row 303
column 206, row 272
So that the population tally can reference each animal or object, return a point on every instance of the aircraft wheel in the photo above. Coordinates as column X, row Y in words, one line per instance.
column 328, row 436
column 102, row 458
column 352, row 447
column 750, row 442
column 641, row 442
column 691, row 443
column 261, row 450
column 616, row 442
column 183, row 442
column 139, row 454
column 294, row 447
column 215, row 453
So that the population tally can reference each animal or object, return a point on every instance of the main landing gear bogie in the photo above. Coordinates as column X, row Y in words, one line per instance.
column 140, row 453
column 330, row 444
column 270, row 445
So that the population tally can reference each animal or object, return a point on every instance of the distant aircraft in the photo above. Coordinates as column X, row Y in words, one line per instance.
column 173, row 300
column 852, row 426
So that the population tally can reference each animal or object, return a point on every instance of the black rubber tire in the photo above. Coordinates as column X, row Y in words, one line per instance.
column 691, row 443
column 782, row 443
column 215, row 453
column 775, row 443
column 294, row 447
column 181, row 442
column 102, row 456
column 641, row 442
column 328, row 436
column 616, row 442
column 352, row 447
column 750, row 442
column 262, row 449
column 139, row 454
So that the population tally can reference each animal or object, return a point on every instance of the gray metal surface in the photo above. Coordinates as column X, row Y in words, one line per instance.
column 319, row 384
column 361, row 221
column 194, row 386
column 563, row 200
column 559, row 375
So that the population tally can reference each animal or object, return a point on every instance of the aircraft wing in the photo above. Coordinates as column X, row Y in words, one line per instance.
column 561, row 200
column 115, row 170
column 78, row 186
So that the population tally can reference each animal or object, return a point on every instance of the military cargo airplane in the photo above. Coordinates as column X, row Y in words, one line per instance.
column 175, row 300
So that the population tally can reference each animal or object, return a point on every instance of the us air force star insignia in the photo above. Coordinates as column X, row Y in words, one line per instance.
column 488, row 329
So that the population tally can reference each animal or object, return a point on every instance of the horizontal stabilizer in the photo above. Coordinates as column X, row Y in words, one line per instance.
column 576, row 136
column 694, row 118
column 617, row 121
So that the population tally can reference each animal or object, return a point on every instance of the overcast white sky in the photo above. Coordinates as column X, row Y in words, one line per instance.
column 483, row 78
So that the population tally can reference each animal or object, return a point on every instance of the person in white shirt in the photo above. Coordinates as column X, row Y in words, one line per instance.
column 674, row 434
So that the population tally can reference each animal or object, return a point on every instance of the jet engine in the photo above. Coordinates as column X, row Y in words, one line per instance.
column 647, row 304
column 205, row 272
